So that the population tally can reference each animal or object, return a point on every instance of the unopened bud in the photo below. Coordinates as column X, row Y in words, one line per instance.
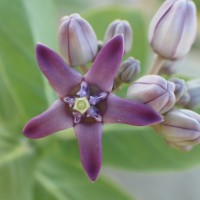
column 181, row 129
column 128, row 70
column 180, row 87
column 120, row 27
column 184, row 100
column 173, row 29
column 77, row 40
column 155, row 91
column 193, row 89
column 168, row 68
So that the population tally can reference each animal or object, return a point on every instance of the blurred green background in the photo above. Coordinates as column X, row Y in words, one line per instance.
column 137, row 164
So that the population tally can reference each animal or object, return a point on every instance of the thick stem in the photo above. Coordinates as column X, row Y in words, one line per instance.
column 84, row 68
column 157, row 64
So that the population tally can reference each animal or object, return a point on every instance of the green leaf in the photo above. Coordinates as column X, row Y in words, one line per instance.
column 16, row 167
column 23, row 92
column 143, row 149
column 58, row 177
column 101, row 18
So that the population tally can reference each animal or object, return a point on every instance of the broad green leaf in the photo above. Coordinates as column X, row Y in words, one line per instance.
column 22, row 82
column 58, row 177
column 143, row 149
column 16, row 168
column 101, row 18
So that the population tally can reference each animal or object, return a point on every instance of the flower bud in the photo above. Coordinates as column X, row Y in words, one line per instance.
column 120, row 27
column 184, row 100
column 181, row 129
column 173, row 29
column 193, row 89
column 155, row 91
column 77, row 40
column 180, row 87
column 128, row 70
column 168, row 68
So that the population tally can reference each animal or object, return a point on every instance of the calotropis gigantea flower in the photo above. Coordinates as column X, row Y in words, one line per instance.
column 86, row 103
column 155, row 91
column 173, row 29
column 77, row 40
column 180, row 129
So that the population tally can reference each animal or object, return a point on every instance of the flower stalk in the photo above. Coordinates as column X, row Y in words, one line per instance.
column 157, row 65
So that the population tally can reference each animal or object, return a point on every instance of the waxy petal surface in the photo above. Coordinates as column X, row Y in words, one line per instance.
column 89, row 138
column 131, row 112
column 61, row 77
column 106, row 64
column 56, row 118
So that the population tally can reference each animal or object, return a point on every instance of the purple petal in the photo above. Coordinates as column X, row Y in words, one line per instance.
column 54, row 119
column 61, row 77
column 129, row 112
column 106, row 64
column 89, row 138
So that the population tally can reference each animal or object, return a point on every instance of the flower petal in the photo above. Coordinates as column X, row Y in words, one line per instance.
column 89, row 138
column 106, row 64
column 61, row 77
column 131, row 112
column 54, row 119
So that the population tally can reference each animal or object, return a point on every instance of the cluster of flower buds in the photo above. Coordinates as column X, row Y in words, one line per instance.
column 173, row 29
column 78, row 42
column 180, row 129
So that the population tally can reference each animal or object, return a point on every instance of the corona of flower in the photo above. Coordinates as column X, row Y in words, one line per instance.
column 86, row 103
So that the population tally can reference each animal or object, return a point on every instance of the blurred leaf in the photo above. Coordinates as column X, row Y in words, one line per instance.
column 59, row 178
column 66, row 7
column 101, row 18
column 16, row 168
column 18, row 73
column 22, row 88
column 143, row 149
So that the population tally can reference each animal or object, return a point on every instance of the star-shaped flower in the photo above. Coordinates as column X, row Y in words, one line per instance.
column 86, row 103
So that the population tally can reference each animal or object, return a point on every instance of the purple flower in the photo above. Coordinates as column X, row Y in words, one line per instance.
column 86, row 103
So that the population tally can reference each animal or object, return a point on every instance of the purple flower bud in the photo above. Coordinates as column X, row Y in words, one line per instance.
column 180, row 87
column 77, row 40
column 128, row 70
column 120, row 27
column 155, row 91
column 168, row 68
column 181, row 129
column 194, row 93
column 173, row 29
column 184, row 100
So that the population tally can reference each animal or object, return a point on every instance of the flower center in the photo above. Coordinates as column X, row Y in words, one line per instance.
column 81, row 105
column 84, row 106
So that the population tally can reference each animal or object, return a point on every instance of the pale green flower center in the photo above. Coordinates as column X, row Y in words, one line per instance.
column 81, row 105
